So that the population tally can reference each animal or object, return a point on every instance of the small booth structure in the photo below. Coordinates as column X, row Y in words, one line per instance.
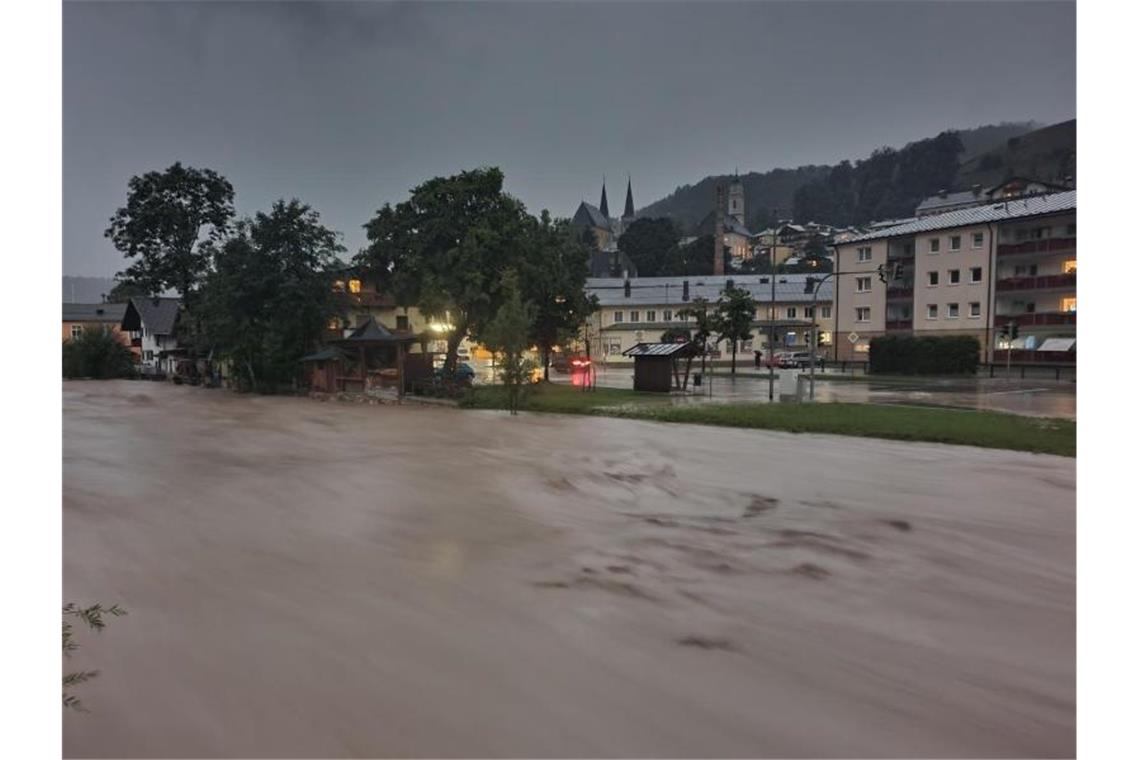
column 370, row 358
column 655, row 364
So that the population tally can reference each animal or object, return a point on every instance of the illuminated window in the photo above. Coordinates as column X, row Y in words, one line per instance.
column 1069, row 304
column 334, row 323
column 338, row 286
column 354, row 286
column 862, row 347
column 1071, row 266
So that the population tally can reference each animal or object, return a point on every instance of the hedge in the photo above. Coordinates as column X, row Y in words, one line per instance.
column 924, row 355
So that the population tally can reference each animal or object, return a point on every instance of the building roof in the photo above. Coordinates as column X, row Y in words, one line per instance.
column 935, row 202
column 94, row 312
column 1004, row 211
column 660, row 349
column 156, row 313
column 591, row 216
column 731, row 225
column 374, row 332
column 325, row 354
column 667, row 291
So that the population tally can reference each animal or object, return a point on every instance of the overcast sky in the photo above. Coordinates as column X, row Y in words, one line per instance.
column 348, row 105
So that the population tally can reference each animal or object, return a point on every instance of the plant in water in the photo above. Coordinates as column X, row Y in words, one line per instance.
column 92, row 617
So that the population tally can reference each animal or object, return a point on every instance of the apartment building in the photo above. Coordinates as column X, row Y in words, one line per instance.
column 966, row 272
column 639, row 310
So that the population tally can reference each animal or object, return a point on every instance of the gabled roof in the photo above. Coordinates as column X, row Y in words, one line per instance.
column 374, row 332
column 157, row 314
column 325, row 354
column 1002, row 211
column 111, row 313
column 590, row 216
column 661, row 349
column 951, row 199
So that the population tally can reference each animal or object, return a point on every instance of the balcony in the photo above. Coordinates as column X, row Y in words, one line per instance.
column 1043, row 282
column 898, row 293
column 900, row 324
column 1037, row 246
column 370, row 298
column 1038, row 318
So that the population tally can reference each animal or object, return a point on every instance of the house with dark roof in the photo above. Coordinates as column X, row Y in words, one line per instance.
column 79, row 317
column 1013, row 187
column 150, row 321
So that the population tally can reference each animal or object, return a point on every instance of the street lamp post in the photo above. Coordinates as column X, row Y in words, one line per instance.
column 812, row 286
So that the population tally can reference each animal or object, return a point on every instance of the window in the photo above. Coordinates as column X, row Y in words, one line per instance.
column 862, row 313
column 651, row 316
column 401, row 321
column 955, row 242
column 334, row 324
column 932, row 311
column 667, row 315
column 619, row 316
column 931, row 279
column 975, row 309
column 908, row 249
column 1070, row 266
column 863, row 254
column 614, row 347
column 935, row 245
column 148, row 355
column 954, row 275
column 1069, row 304
column 978, row 239
column 951, row 311
column 1025, row 270
column 633, row 315
column 809, row 312
column 338, row 286
column 76, row 331
column 825, row 312
column 791, row 312
column 1071, row 230
column 354, row 286
column 975, row 274
column 862, row 284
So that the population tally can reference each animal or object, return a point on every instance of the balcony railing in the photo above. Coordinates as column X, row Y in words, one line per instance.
column 1038, row 318
column 1037, row 246
column 1042, row 282
column 893, row 293
column 900, row 324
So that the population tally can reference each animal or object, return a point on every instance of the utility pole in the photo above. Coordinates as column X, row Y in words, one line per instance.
column 772, row 324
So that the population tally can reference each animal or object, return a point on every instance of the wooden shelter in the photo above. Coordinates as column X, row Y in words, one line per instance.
column 655, row 364
column 382, row 358
column 323, row 369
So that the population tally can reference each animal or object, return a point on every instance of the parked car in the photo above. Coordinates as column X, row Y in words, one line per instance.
column 801, row 359
column 463, row 373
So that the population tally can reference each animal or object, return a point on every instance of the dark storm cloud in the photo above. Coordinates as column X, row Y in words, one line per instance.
column 347, row 105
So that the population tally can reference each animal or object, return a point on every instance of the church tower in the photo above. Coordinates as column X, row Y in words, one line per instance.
column 736, row 200
column 604, row 206
column 627, row 216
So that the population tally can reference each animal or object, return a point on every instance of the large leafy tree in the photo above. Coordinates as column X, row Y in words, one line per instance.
column 554, row 281
column 652, row 246
column 445, row 249
column 733, row 320
column 171, row 226
column 270, row 295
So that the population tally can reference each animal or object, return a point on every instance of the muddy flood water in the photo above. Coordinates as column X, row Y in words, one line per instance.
column 308, row 579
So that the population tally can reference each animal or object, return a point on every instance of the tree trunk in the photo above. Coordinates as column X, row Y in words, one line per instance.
column 453, row 342
column 546, row 363
column 734, row 356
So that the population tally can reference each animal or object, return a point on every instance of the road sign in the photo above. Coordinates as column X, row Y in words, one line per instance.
column 853, row 337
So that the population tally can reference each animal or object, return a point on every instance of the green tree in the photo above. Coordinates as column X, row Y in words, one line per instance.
column 97, row 353
column 270, row 295
column 651, row 244
column 706, row 325
column 446, row 247
column 171, row 226
column 554, row 277
column 507, row 334
column 92, row 617
column 733, row 320
column 125, row 290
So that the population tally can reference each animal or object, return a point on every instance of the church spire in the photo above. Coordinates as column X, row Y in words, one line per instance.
column 628, row 200
column 604, row 206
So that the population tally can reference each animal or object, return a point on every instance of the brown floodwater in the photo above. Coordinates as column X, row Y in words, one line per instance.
column 308, row 579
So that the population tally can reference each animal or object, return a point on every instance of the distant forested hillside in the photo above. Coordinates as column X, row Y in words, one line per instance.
column 890, row 182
